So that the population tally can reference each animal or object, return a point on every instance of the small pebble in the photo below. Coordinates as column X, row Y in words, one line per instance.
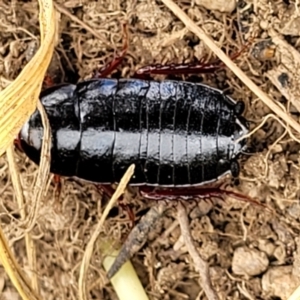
column 249, row 262
column 220, row 5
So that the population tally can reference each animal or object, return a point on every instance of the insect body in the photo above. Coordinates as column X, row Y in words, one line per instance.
column 176, row 133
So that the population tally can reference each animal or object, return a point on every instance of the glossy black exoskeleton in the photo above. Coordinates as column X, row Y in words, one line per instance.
column 176, row 133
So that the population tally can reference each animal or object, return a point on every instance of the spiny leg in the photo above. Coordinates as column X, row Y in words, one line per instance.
column 196, row 193
column 57, row 192
column 110, row 67
column 182, row 69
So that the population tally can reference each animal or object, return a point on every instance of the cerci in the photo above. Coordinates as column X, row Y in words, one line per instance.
column 176, row 133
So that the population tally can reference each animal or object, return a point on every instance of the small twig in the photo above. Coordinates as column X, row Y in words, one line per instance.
column 201, row 266
column 66, row 12
column 90, row 246
column 43, row 171
column 137, row 238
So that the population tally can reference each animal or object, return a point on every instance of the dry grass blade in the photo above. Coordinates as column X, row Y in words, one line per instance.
column 295, row 295
column 30, row 246
column 236, row 70
column 89, row 249
column 18, row 101
column 43, row 171
column 14, row 272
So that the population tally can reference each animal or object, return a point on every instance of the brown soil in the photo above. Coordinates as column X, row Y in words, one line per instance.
column 253, row 254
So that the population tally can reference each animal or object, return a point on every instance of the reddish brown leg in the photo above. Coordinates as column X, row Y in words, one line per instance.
column 109, row 191
column 57, row 193
column 110, row 67
column 182, row 69
column 48, row 81
column 195, row 193
column 17, row 143
column 57, row 183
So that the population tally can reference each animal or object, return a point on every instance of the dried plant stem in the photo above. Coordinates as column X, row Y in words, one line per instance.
column 65, row 11
column 30, row 246
column 89, row 249
column 43, row 172
column 201, row 266
column 137, row 238
column 230, row 64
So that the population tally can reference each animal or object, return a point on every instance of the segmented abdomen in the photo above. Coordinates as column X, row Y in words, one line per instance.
column 177, row 133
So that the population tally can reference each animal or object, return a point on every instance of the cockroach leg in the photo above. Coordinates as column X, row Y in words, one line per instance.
column 105, row 188
column 57, row 182
column 48, row 81
column 57, row 192
column 17, row 143
column 110, row 67
column 130, row 213
column 57, row 206
column 205, row 193
column 192, row 68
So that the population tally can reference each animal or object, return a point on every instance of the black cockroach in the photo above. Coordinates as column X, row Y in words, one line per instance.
column 176, row 133
column 180, row 135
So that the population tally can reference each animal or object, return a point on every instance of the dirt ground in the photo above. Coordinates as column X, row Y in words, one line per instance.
column 253, row 253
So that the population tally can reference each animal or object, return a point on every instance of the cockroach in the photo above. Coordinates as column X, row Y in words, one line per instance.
column 178, row 134
column 181, row 136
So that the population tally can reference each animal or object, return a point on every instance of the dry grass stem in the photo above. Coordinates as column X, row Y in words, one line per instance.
column 90, row 246
column 18, row 101
column 30, row 247
column 15, row 273
column 43, row 172
column 137, row 238
column 201, row 266
column 295, row 295
column 64, row 11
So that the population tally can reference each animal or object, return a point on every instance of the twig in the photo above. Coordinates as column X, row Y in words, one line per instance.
column 90, row 246
column 66, row 12
column 201, row 266
column 43, row 171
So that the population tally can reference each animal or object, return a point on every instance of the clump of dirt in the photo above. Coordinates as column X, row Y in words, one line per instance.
column 248, row 247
